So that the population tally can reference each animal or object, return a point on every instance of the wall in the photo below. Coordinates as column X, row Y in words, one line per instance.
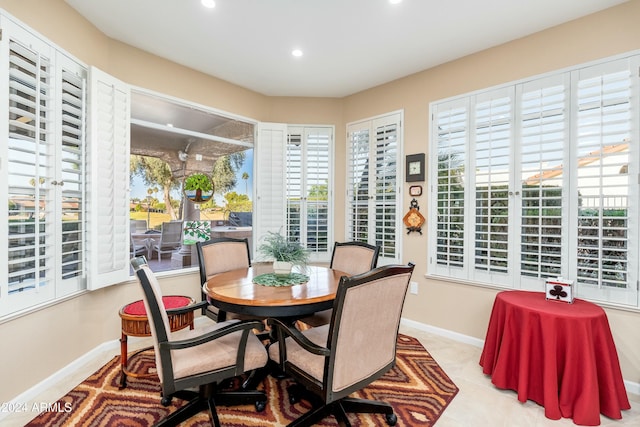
column 38, row 344
column 458, row 307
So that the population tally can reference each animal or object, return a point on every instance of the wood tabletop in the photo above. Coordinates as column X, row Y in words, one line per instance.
column 237, row 287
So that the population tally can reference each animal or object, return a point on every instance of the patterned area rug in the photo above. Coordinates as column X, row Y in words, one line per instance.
column 417, row 388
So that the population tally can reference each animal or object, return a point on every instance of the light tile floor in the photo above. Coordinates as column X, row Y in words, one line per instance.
column 478, row 403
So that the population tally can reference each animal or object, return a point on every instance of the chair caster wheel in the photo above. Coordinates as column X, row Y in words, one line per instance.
column 261, row 405
column 392, row 419
column 165, row 401
column 293, row 399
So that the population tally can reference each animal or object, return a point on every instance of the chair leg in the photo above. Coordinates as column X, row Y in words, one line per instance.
column 184, row 413
column 366, row 406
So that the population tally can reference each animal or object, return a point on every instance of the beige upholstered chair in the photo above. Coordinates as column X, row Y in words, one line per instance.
column 170, row 238
column 201, row 358
column 218, row 255
column 351, row 258
column 335, row 360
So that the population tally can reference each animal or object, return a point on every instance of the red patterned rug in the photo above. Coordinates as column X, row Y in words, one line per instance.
column 417, row 388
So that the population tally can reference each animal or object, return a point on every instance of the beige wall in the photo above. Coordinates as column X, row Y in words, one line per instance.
column 37, row 345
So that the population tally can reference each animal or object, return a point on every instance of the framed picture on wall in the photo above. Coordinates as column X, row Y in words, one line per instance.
column 415, row 167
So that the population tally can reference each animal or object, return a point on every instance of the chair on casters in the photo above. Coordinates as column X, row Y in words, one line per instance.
column 351, row 258
column 356, row 348
column 218, row 255
column 203, row 357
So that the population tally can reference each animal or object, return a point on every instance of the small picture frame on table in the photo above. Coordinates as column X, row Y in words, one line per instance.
column 415, row 167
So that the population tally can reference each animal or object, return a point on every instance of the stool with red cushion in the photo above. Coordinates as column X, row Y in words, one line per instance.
column 136, row 324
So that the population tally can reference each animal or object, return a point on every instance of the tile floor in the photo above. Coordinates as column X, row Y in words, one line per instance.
column 478, row 403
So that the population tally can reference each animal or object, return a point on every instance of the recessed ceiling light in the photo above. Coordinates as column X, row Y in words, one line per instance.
column 296, row 52
column 208, row 3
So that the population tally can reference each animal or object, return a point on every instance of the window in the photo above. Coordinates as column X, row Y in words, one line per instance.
column 44, row 166
column 373, row 201
column 539, row 179
column 308, row 189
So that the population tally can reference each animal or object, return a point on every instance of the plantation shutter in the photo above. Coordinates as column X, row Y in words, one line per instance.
column 270, row 209
column 544, row 129
column 317, row 197
column 373, row 201
column 109, row 180
column 29, row 172
column 450, row 134
column 607, row 189
column 491, row 166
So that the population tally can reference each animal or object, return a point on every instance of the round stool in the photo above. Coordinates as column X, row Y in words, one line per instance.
column 136, row 324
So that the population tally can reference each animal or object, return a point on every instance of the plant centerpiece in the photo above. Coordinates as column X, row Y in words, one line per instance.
column 198, row 187
column 285, row 253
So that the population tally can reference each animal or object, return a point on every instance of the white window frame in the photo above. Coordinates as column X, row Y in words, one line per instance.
column 453, row 124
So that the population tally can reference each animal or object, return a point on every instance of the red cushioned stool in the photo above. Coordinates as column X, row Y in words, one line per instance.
column 136, row 324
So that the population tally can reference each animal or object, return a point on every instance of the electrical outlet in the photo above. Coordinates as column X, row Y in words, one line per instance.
column 413, row 288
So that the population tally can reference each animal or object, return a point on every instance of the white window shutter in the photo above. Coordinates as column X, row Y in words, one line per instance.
column 270, row 209
column 108, row 180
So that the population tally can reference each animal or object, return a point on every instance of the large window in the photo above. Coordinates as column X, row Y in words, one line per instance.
column 539, row 179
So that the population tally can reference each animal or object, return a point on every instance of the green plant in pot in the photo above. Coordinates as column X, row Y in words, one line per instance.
column 198, row 187
column 285, row 253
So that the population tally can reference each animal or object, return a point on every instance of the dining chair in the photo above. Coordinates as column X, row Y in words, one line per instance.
column 332, row 361
column 170, row 238
column 351, row 258
column 218, row 255
column 200, row 358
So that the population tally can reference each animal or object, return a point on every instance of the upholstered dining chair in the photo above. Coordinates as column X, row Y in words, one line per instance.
column 335, row 360
column 218, row 255
column 202, row 358
column 170, row 238
column 351, row 258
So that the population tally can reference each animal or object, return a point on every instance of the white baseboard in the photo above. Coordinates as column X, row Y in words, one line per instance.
column 630, row 386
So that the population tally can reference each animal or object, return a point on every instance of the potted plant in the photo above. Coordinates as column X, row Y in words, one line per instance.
column 198, row 187
column 285, row 253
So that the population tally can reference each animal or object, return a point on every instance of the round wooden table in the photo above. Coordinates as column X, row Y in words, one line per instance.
column 234, row 291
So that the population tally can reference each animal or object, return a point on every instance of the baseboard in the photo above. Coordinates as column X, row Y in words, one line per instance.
column 630, row 386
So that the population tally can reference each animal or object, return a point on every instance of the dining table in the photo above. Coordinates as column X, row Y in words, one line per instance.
column 235, row 291
column 559, row 355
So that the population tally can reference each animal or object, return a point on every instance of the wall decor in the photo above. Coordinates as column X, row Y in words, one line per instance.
column 198, row 187
column 415, row 190
column 414, row 219
column 415, row 167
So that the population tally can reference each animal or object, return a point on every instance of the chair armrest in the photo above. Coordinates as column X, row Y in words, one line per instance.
column 247, row 325
column 297, row 336
column 188, row 308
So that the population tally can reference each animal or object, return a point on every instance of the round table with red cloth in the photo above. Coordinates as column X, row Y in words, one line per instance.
column 559, row 355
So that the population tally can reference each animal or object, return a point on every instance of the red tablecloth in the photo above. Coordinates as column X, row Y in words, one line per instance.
column 559, row 355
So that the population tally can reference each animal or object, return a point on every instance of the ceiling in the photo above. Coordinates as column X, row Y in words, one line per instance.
column 348, row 45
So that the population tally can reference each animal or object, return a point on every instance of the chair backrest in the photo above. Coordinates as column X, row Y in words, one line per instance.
column 156, row 314
column 171, row 233
column 222, row 254
column 365, row 321
column 138, row 225
column 354, row 257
